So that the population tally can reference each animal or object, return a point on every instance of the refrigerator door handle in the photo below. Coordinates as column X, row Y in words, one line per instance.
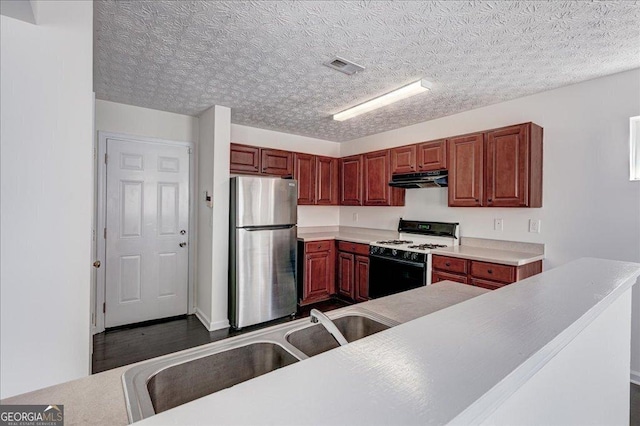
column 266, row 228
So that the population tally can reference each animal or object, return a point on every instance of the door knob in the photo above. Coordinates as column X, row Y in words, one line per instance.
column 182, row 244
column 182, row 232
column 96, row 264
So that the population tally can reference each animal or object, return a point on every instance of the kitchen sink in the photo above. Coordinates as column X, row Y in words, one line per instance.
column 315, row 339
column 160, row 384
column 194, row 379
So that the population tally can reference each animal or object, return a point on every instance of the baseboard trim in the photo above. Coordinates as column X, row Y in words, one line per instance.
column 635, row 377
column 210, row 325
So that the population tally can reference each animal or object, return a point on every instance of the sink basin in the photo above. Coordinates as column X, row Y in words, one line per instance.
column 185, row 382
column 151, row 388
column 316, row 339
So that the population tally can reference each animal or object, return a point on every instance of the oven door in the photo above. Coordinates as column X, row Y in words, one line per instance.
column 389, row 276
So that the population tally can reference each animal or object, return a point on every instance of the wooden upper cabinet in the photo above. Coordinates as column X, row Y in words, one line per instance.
column 277, row 162
column 432, row 155
column 403, row 159
column 327, row 185
column 351, row 181
column 466, row 185
column 513, row 172
column 304, row 166
column 244, row 159
column 376, row 175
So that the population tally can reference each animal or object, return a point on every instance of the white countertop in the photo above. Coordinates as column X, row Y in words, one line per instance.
column 343, row 233
column 484, row 254
column 440, row 368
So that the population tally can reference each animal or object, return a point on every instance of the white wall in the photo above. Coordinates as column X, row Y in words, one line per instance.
column 133, row 120
column 590, row 208
column 307, row 215
column 46, row 198
column 213, row 223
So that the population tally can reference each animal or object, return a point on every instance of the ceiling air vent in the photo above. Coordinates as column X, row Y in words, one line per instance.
column 342, row 65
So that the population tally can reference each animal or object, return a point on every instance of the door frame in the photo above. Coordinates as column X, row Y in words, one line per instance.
column 101, row 217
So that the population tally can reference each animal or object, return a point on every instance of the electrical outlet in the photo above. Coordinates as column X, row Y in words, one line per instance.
column 355, row 217
column 534, row 225
column 497, row 225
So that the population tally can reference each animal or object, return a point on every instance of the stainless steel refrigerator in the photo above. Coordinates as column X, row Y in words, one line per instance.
column 262, row 258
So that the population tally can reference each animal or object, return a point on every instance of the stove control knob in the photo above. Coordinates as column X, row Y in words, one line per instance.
column 414, row 256
column 406, row 255
column 394, row 252
column 374, row 250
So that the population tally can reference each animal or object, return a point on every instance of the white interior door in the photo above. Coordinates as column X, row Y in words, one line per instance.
column 147, row 224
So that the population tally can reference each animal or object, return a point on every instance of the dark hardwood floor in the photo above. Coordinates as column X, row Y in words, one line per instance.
column 129, row 344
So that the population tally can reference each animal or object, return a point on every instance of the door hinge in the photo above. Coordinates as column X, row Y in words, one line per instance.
column 189, row 150
column 95, row 153
column 106, row 158
column 105, row 233
column 104, row 308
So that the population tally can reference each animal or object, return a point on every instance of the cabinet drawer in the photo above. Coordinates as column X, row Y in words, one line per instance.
column 316, row 246
column 356, row 248
column 493, row 272
column 490, row 285
column 437, row 276
column 451, row 264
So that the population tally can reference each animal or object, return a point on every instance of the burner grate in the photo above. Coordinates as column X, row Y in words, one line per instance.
column 394, row 242
column 427, row 246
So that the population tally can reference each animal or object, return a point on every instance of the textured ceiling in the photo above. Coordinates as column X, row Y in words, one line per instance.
column 264, row 58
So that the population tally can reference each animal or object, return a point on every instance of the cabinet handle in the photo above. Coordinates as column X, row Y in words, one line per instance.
column 489, row 200
column 420, row 166
column 447, row 264
column 489, row 271
column 477, row 199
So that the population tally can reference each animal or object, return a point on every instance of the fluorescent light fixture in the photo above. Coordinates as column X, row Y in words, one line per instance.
column 384, row 100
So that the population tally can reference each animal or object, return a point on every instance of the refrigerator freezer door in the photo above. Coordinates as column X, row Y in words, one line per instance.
column 263, row 201
column 263, row 275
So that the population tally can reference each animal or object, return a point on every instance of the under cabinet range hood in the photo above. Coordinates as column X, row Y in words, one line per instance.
column 432, row 179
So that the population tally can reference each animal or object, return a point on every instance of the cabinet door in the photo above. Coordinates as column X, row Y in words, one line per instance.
column 361, row 278
column 345, row 275
column 327, row 181
column 507, row 167
column 432, row 155
column 319, row 276
column 403, row 159
column 377, row 173
column 351, row 181
column 466, row 171
column 244, row 159
column 304, row 166
column 276, row 162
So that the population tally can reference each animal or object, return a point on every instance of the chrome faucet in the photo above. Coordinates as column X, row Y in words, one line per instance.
column 325, row 321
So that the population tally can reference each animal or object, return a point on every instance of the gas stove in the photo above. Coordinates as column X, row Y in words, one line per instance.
column 405, row 263
column 418, row 237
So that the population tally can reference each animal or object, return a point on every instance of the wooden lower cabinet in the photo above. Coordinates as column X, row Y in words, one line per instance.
column 353, row 271
column 480, row 274
column 319, row 271
column 361, row 281
column 346, row 275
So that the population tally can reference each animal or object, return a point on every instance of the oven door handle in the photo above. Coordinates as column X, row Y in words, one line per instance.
column 404, row 262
